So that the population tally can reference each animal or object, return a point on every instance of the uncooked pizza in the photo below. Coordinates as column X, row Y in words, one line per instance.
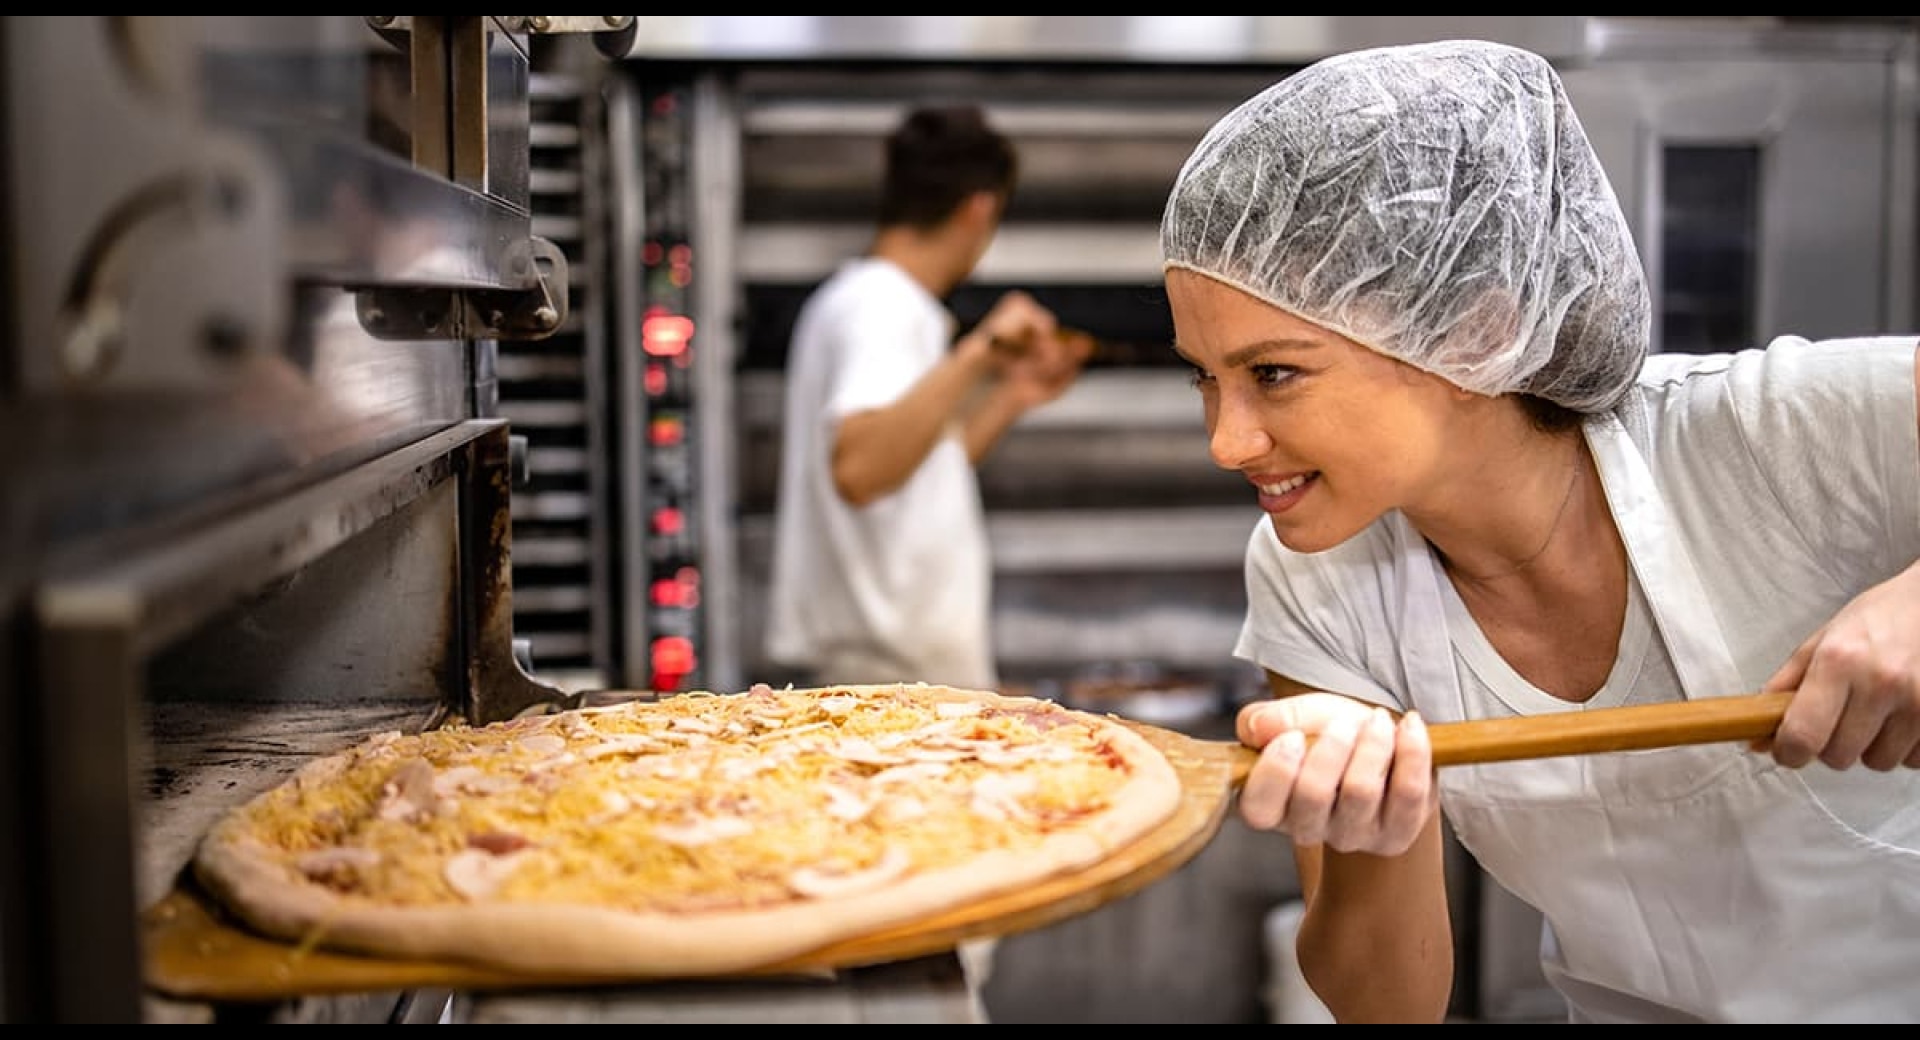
column 685, row 835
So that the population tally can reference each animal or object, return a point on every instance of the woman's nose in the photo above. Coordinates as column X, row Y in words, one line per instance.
column 1236, row 437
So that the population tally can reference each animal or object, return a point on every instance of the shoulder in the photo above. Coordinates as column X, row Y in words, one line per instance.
column 1786, row 363
column 874, row 290
column 1792, row 384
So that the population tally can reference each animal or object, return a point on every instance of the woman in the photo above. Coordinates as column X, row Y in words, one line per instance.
column 1419, row 328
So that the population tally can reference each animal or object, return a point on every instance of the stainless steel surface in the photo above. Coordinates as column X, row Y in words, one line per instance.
column 145, row 242
column 715, row 167
column 630, row 400
column 555, row 391
column 1088, row 253
column 1830, row 115
column 1134, row 38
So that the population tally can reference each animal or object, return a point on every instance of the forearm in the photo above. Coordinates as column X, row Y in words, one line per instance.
column 874, row 452
column 990, row 418
column 1376, row 944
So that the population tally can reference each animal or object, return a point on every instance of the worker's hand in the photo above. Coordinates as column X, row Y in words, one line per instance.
column 1035, row 359
column 1046, row 366
column 1015, row 320
column 1339, row 772
column 1858, row 683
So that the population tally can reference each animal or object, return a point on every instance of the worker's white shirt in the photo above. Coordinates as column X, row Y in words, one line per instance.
column 1757, row 494
column 898, row 590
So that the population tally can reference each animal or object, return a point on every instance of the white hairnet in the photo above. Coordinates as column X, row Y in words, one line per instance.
column 1438, row 203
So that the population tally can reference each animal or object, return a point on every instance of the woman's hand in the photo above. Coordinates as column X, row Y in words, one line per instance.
column 1339, row 772
column 1858, row 683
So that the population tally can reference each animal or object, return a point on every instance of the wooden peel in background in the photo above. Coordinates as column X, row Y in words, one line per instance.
column 1636, row 727
column 1086, row 342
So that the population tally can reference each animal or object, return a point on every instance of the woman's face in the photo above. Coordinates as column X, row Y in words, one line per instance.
column 1330, row 433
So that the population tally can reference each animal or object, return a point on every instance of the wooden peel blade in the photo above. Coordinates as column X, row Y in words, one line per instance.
column 1085, row 343
column 1636, row 727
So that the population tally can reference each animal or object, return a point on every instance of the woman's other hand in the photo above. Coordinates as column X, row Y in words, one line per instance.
column 1858, row 683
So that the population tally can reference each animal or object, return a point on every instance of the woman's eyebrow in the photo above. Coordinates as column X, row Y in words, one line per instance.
column 1253, row 351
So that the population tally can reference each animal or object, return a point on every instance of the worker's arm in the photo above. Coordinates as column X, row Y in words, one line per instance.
column 1376, row 942
column 978, row 389
column 875, row 451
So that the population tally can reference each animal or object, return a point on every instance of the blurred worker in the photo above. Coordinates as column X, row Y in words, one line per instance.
column 881, row 570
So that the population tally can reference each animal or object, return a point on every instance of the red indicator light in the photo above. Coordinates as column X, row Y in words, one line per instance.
column 673, row 655
column 668, row 520
column 655, row 379
column 666, row 335
column 666, row 431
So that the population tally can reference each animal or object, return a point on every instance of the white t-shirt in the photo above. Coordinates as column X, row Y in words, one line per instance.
column 1789, row 479
column 897, row 591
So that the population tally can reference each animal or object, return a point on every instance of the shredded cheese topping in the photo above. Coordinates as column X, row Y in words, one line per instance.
column 693, row 802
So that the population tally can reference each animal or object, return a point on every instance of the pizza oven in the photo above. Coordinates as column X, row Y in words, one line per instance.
column 274, row 317
column 260, row 501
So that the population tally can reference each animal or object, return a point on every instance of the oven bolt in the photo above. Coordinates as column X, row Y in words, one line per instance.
column 226, row 338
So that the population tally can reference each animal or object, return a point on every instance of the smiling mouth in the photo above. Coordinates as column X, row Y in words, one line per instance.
column 1284, row 486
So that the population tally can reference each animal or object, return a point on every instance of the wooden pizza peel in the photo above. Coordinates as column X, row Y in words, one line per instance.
column 192, row 950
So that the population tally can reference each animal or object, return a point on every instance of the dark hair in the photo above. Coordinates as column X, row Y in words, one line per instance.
column 938, row 157
column 1549, row 416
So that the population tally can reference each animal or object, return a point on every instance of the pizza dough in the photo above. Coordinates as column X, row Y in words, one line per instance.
column 692, row 835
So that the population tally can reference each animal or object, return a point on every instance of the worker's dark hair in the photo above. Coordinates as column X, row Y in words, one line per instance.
column 939, row 156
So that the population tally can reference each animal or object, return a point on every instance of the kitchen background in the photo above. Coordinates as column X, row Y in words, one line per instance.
column 281, row 477
column 720, row 166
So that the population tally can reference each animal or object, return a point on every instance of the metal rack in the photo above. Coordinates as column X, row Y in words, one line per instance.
column 554, row 392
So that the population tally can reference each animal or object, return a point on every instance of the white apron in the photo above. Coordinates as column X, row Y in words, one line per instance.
column 1707, row 880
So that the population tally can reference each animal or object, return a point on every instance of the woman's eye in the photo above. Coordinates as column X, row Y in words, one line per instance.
column 1271, row 375
column 1198, row 376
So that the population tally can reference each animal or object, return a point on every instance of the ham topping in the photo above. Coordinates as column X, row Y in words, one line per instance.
column 477, row 874
column 848, row 805
column 826, row 881
column 997, row 797
column 625, row 744
column 541, row 745
column 408, row 794
column 336, row 865
column 703, row 830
